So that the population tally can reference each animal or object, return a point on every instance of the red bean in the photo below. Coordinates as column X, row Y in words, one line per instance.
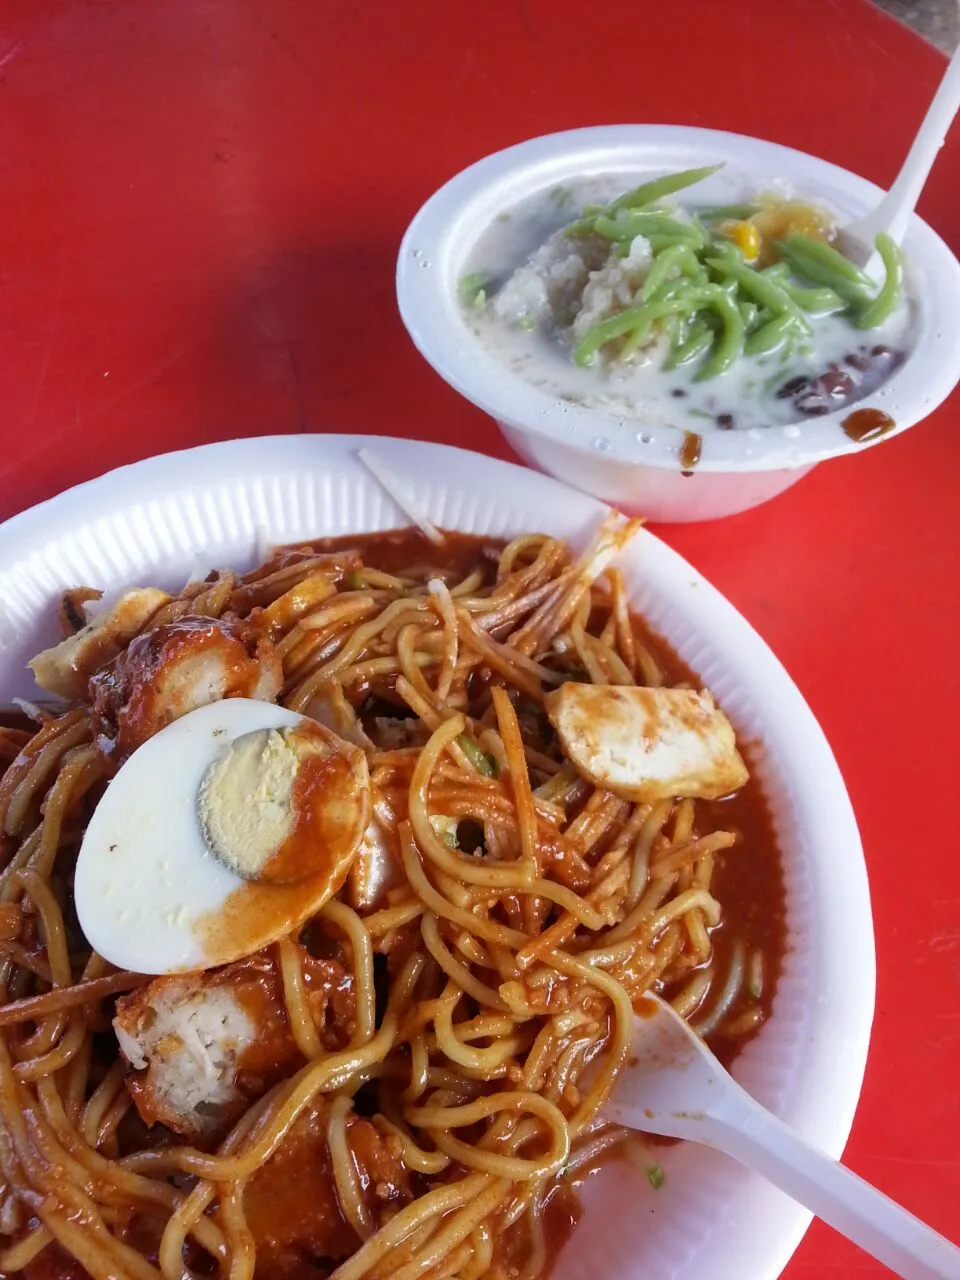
column 791, row 387
column 836, row 384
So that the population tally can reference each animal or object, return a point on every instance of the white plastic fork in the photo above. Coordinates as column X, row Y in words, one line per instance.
column 893, row 213
column 675, row 1087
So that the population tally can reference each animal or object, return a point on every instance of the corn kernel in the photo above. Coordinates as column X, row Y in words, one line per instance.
column 745, row 236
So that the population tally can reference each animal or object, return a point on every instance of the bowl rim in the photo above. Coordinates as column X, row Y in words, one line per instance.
column 441, row 234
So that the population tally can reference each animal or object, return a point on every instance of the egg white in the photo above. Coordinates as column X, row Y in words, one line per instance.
column 145, row 876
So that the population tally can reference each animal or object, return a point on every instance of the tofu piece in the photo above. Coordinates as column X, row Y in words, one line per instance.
column 647, row 744
column 188, row 1044
column 170, row 670
column 66, row 668
column 203, row 1046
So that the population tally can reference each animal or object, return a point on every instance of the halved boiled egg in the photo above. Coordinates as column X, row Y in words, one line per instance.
column 220, row 834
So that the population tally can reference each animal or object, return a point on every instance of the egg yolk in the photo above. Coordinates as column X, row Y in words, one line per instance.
column 277, row 803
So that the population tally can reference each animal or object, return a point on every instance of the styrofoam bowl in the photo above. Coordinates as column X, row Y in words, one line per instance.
column 171, row 517
column 632, row 464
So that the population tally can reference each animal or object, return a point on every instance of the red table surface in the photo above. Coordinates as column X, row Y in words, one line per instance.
column 200, row 207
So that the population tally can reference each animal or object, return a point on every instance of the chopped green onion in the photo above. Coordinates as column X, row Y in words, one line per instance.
column 656, row 1177
column 561, row 196
column 527, row 323
column 450, row 838
column 480, row 759
column 356, row 580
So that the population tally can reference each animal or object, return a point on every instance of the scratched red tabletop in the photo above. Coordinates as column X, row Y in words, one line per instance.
column 200, row 207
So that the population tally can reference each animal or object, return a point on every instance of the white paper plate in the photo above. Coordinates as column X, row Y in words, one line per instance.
column 160, row 520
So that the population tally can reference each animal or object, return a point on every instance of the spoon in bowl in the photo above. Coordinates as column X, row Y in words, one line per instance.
column 892, row 214
column 675, row 1087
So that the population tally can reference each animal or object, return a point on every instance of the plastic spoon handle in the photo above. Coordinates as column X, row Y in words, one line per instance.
column 893, row 212
column 744, row 1130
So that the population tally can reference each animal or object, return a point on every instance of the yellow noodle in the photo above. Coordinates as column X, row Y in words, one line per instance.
column 302, row 1025
column 685, row 902
column 429, row 1206
column 439, row 1120
column 17, row 1256
column 483, row 1060
column 453, row 968
column 455, row 864
column 16, row 796
column 651, row 828
column 414, row 1157
column 440, row 593
column 346, row 1179
column 239, row 1236
column 454, row 1231
column 359, row 937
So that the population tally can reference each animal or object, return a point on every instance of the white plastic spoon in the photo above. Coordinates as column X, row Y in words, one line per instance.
column 674, row 1086
column 892, row 214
